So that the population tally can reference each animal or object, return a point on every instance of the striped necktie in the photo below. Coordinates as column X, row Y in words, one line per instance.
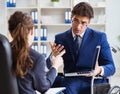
column 77, row 43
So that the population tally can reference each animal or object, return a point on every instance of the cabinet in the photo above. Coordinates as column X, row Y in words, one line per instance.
column 99, row 21
column 50, row 19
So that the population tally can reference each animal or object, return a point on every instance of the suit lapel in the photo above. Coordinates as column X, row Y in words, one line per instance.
column 70, row 42
column 86, row 40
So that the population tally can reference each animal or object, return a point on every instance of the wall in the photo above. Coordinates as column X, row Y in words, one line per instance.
column 2, row 17
column 113, row 30
column 113, row 26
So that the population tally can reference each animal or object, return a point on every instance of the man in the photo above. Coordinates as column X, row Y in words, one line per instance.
column 75, row 61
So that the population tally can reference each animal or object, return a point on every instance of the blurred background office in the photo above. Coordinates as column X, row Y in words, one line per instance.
column 109, row 22
column 113, row 31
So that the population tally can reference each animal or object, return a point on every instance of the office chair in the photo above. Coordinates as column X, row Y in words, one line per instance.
column 8, row 83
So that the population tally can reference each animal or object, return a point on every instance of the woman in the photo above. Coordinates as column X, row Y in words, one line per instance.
column 28, row 64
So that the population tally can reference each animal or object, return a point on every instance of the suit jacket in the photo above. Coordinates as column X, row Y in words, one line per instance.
column 36, row 78
column 90, row 40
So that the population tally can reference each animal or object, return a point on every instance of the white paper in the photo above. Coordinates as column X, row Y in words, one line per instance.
column 55, row 90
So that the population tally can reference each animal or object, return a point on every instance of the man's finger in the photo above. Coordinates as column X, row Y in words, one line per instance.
column 52, row 45
column 62, row 53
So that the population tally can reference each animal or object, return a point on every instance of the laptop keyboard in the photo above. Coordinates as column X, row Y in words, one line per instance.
column 83, row 73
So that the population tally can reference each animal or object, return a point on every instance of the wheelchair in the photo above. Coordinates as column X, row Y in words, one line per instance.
column 114, row 90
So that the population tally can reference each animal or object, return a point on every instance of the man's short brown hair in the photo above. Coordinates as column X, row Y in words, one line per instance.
column 83, row 9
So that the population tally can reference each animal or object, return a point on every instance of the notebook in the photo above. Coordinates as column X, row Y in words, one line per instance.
column 86, row 73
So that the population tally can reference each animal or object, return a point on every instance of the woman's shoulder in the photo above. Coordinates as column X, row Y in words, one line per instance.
column 38, row 60
column 35, row 55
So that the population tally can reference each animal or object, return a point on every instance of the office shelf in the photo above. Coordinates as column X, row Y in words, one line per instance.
column 52, row 18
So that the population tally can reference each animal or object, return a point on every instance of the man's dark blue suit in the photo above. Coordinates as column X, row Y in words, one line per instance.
column 91, row 38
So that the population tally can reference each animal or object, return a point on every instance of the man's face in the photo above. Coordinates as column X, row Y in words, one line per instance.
column 79, row 24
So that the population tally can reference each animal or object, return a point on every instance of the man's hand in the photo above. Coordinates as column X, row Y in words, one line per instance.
column 57, row 53
column 97, row 70
column 57, row 50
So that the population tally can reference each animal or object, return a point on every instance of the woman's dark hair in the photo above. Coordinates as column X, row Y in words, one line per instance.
column 83, row 9
column 19, row 25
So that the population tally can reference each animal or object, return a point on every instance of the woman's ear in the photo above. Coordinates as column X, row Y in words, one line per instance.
column 71, row 17
column 32, row 31
column 31, row 36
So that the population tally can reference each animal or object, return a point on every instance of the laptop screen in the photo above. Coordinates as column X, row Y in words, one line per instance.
column 96, row 56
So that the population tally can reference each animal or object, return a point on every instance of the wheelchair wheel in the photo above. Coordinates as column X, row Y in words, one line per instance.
column 114, row 90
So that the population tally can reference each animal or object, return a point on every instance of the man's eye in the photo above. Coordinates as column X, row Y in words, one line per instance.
column 83, row 22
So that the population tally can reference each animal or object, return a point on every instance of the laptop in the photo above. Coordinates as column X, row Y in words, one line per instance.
column 86, row 73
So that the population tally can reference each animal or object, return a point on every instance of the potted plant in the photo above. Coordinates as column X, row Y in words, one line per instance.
column 55, row 2
column 119, row 41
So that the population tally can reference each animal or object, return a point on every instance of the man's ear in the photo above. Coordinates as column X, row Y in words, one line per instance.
column 89, row 21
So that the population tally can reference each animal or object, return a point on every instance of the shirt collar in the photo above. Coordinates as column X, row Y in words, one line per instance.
column 81, row 35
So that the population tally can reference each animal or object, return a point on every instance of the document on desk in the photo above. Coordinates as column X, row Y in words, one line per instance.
column 55, row 90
